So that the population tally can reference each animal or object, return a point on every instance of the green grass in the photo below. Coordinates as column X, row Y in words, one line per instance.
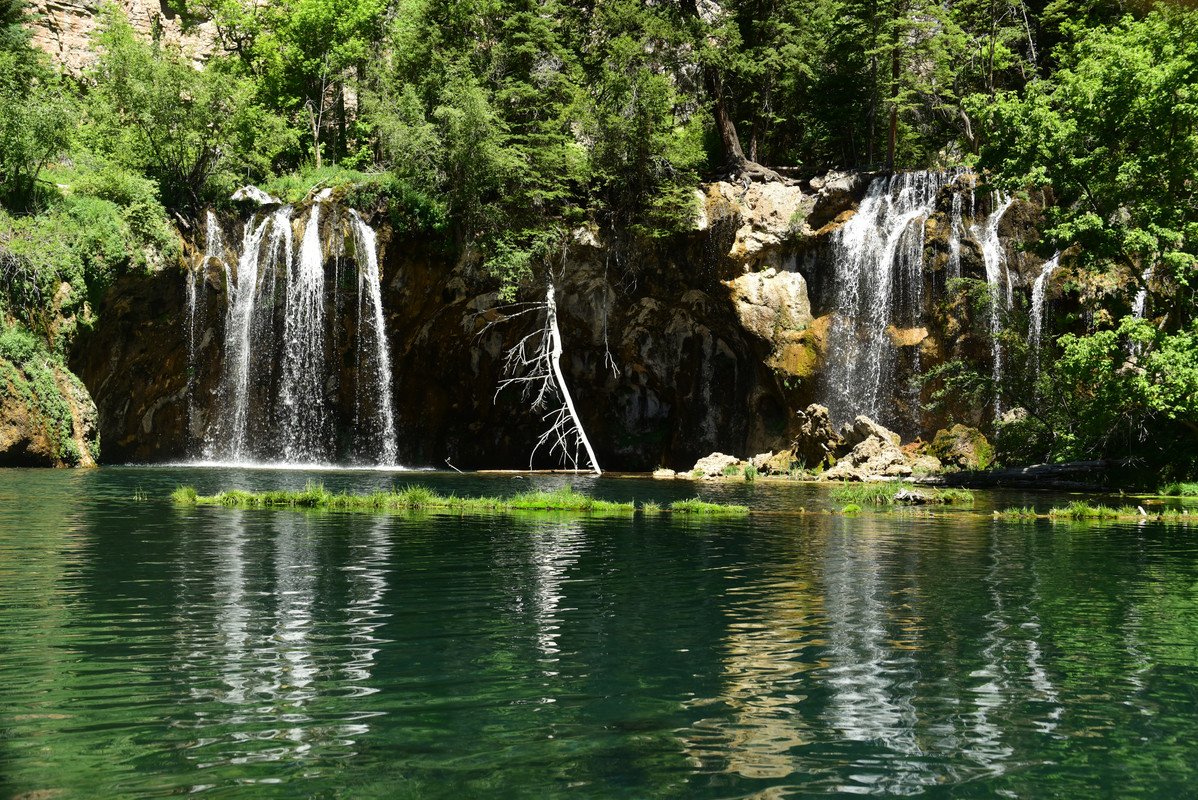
column 1082, row 510
column 697, row 506
column 730, row 471
column 882, row 493
column 1177, row 489
column 1017, row 513
column 314, row 495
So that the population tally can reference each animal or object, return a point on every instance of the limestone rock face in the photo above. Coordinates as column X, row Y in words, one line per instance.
column 769, row 216
column 66, row 29
column 864, row 428
column 837, row 192
column 768, row 302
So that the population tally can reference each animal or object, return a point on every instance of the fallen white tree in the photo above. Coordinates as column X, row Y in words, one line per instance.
column 534, row 364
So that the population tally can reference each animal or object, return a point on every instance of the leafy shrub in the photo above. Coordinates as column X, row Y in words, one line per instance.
column 18, row 345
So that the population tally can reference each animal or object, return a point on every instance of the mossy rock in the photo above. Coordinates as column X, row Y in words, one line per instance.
column 962, row 446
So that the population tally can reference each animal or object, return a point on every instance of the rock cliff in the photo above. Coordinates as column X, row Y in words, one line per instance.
column 710, row 341
column 65, row 29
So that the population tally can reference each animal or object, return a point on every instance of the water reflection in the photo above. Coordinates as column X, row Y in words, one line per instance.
column 147, row 650
column 280, row 630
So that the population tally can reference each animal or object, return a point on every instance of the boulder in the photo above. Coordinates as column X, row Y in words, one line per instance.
column 713, row 465
column 962, row 446
column 871, row 457
column 771, row 301
column 814, row 438
column 862, row 428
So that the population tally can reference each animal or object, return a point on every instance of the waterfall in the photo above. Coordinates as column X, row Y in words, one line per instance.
column 301, row 392
column 1140, row 305
column 998, row 279
column 956, row 229
column 1035, row 325
column 877, row 287
column 282, row 395
column 374, row 356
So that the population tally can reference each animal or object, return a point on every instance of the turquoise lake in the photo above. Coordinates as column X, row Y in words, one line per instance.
column 150, row 650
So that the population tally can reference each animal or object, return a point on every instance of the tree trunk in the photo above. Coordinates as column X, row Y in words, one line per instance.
column 555, row 359
column 735, row 162
column 894, row 92
column 315, row 135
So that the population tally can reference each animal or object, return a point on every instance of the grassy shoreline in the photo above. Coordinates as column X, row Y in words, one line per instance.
column 415, row 498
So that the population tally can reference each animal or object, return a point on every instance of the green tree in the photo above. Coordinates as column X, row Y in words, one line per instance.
column 305, row 59
column 1114, row 135
column 38, row 115
column 190, row 130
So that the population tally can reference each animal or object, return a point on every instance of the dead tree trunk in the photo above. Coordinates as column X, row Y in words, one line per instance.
column 540, row 374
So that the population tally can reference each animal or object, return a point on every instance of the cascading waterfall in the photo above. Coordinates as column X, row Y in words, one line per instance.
column 1039, row 288
column 1036, row 323
column 1140, row 305
column 956, row 230
column 373, row 354
column 303, row 410
column 999, row 280
column 248, row 334
column 196, row 296
column 882, row 295
column 877, row 288
column 281, row 395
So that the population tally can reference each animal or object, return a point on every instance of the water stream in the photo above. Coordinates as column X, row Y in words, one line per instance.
column 281, row 394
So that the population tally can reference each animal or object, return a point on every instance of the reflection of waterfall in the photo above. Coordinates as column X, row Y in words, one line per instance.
column 282, row 394
column 1012, row 675
column 265, row 645
column 868, row 674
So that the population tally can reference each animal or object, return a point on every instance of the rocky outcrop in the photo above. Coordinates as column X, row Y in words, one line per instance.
column 713, row 466
column 47, row 418
column 868, row 451
column 709, row 341
column 66, row 29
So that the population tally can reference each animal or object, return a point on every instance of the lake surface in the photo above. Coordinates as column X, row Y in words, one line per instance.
column 150, row 650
